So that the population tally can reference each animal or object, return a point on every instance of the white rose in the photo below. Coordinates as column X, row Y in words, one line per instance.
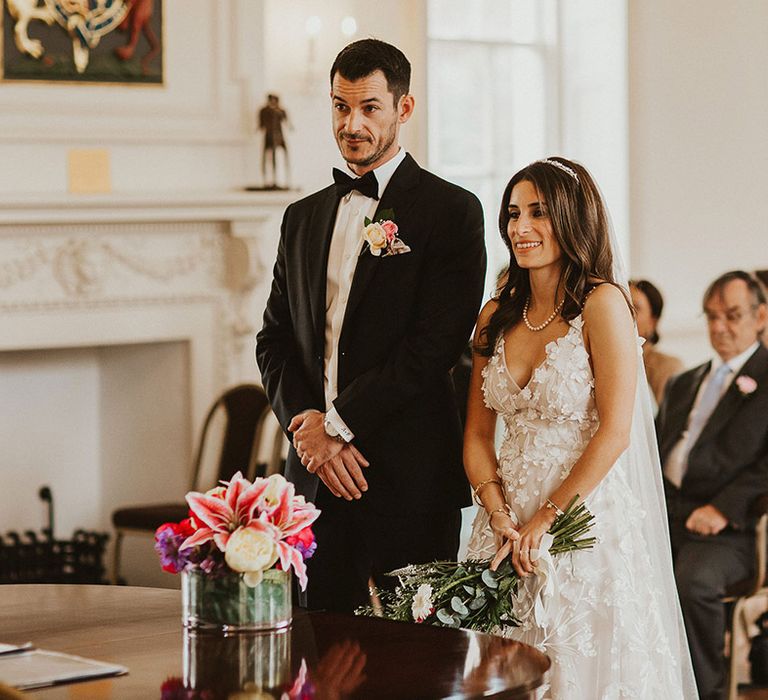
column 422, row 606
column 251, row 551
column 376, row 237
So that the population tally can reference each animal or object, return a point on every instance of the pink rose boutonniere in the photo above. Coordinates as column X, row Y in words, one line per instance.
column 381, row 236
column 746, row 384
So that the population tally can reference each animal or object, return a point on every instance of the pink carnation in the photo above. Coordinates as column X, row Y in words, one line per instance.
column 304, row 542
column 746, row 384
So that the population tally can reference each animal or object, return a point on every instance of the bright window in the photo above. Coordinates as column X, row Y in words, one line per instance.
column 493, row 91
column 512, row 81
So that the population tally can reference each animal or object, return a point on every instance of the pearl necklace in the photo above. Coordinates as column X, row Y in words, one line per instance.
column 541, row 326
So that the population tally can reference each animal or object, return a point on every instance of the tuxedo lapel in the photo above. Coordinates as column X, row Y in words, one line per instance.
column 733, row 397
column 399, row 196
column 316, row 260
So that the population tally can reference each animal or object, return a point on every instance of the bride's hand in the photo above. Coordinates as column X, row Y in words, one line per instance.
column 505, row 530
column 529, row 538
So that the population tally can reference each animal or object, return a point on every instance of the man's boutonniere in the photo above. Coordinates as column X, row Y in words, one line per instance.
column 381, row 235
column 746, row 384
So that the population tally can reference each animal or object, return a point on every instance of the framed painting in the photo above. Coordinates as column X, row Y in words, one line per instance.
column 83, row 41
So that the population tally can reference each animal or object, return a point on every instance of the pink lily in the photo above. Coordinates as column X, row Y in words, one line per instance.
column 221, row 516
column 292, row 517
column 241, row 504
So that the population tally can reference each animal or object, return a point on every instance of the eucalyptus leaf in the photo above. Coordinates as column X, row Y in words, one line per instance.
column 477, row 603
column 445, row 617
column 458, row 606
column 489, row 579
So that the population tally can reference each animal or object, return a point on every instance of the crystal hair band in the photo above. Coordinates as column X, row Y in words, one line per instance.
column 561, row 166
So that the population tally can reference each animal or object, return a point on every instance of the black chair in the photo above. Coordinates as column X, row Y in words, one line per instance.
column 737, row 595
column 229, row 442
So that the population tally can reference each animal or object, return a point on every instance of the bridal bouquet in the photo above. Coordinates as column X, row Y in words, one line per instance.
column 468, row 594
column 242, row 527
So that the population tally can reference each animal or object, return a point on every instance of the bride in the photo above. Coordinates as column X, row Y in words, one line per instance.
column 556, row 355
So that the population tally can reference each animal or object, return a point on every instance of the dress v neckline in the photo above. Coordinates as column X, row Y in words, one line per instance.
column 541, row 365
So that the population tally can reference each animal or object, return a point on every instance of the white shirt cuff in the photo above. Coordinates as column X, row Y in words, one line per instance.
column 333, row 417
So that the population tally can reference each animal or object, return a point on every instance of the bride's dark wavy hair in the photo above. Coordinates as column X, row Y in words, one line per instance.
column 580, row 225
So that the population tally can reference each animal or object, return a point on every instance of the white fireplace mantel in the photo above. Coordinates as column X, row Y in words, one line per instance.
column 120, row 269
column 173, row 206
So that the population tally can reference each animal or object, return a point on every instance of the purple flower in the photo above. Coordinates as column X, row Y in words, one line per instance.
column 168, row 539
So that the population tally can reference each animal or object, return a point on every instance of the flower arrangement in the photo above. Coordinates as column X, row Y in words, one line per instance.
column 243, row 527
column 236, row 550
column 468, row 594
column 381, row 235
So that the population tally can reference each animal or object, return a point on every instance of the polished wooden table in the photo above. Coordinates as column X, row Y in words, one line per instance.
column 333, row 655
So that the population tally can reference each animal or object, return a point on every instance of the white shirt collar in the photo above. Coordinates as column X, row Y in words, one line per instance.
column 735, row 363
column 385, row 172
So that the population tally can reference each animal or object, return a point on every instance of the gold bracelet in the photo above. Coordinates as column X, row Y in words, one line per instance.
column 553, row 506
column 503, row 509
column 476, row 490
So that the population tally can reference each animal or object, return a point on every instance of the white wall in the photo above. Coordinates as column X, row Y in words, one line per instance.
column 304, row 87
column 698, row 151
column 186, row 134
column 46, row 398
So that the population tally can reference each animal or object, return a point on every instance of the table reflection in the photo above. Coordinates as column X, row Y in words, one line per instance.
column 263, row 666
column 334, row 660
column 324, row 656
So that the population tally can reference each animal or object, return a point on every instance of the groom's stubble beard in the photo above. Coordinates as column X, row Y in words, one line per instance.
column 383, row 145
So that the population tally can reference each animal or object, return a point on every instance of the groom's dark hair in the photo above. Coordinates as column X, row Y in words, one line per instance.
column 361, row 58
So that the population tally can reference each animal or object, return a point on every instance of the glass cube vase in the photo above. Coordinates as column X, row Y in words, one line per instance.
column 225, row 602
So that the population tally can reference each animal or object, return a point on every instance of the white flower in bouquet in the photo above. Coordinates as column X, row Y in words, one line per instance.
column 422, row 606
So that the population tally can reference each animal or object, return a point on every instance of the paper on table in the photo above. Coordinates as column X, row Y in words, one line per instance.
column 14, row 648
column 38, row 668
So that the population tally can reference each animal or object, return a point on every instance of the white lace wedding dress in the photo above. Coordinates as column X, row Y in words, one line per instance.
column 596, row 613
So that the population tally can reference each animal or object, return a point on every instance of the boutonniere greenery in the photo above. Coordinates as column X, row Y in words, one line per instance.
column 746, row 384
column 381, row 235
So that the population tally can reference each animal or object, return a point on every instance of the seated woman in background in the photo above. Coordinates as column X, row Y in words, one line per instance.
column 659, row 368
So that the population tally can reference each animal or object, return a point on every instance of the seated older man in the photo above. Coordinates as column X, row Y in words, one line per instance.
column 713, row 440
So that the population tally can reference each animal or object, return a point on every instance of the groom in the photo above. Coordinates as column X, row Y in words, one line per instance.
column 362, row 326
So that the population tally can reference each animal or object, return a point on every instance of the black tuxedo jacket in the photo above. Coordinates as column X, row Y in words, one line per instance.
column 407, row 320
column 728, row 464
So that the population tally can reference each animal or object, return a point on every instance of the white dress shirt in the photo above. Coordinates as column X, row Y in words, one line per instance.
column 346, row 244
column 676, row 463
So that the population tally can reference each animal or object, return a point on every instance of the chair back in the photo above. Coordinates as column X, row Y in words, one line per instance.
column 229, row 440
column 273, row 447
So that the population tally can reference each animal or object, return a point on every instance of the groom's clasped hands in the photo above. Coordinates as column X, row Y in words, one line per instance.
column 338, row 464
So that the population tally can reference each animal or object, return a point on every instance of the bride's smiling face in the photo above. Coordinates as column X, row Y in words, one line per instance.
column 530, row 229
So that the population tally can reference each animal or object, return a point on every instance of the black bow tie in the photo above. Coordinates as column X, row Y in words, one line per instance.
column 366, row 185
